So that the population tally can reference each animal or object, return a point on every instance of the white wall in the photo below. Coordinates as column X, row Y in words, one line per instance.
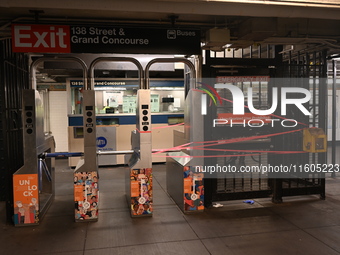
column 58, row 119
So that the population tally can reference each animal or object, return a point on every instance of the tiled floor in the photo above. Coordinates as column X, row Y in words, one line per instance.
column 301, row 225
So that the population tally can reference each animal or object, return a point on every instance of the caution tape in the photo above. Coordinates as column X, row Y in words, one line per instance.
column 167, row 126
column 204, row 144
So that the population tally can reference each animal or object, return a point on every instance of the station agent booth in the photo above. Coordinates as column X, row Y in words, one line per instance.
column 116, row 115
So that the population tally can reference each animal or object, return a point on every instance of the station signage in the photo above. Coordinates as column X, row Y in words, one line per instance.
column 104, row 39
column 234, row 79
column 97, row 83
column 127, row 83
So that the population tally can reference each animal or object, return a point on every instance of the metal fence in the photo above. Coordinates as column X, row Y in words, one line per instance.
column 308, row 71
column 14, row 78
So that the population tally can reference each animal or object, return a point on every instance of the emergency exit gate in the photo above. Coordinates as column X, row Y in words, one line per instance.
column 306, row 71
column 311, row 68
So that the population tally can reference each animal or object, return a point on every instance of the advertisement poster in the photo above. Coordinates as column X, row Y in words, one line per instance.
column 193, row 190
column 86, row 194
column 26, row 197
column 141, row 191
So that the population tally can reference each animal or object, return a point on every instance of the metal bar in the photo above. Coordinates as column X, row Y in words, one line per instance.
column 33, row 68
column 130, row 152
column 80, row 154
column 62, row 154
column 115, row 152
column 47, row 172
column 334, row 114
column 40, row 167
column 260, row 95
column 314, row 95
column 268, row 51
column 323, row 113
column 116, row 59
column 299, row 65
column 259, row 50
column 314, row 89
column 170, row 60
column 290, row 65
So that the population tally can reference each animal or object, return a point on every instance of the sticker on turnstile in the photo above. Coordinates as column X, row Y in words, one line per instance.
column 86, row 194
column 86, row 204
column 193, row 197
column 78, row 192
column 134, row 189
column 141, row 191
column 142, row 199
column 26, row 197
column 193, row 190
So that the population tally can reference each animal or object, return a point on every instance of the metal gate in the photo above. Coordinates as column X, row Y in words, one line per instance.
column 14, row 78
column 307, row 71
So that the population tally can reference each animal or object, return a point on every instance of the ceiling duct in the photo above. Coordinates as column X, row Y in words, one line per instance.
column 216, row 38
column 254, row 30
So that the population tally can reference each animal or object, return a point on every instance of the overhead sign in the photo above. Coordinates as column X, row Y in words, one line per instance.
column 102, row 39
column 41, row 38
column 80, row 83
column 126, row 83
column 233, row 79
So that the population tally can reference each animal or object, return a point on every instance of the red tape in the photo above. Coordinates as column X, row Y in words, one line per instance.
column 167, row 126
column 241, row 139
column 211, row 156
column 234, row 140
column 228, row 141
column 260, row 151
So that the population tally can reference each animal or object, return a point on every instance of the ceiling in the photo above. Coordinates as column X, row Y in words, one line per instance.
column 301, row 24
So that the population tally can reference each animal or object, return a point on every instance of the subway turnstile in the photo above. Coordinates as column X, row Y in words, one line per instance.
column 141, row 161
column 86, row 190
column 139, row 178
column 185, row 183
column 33, row 183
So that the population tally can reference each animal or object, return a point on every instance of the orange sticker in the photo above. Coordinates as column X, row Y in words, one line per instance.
column 201, row 207
column 135, row 189
column 187, row 185
column 26, row 198
column 78, row 192
column 25, row 188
